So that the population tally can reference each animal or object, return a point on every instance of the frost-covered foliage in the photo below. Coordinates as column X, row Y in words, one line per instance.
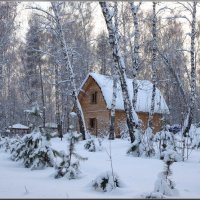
column 5, row 144
column 124, row 131
column 167, row 144
column 165, row 139
column 106, row 182
column 136, row 149
column 14, row 144
column 93, row 145
column 171, row 155
column 34, row 151
column 194, row 135
column 164, row 184
column 148, row 137
column 69, row 166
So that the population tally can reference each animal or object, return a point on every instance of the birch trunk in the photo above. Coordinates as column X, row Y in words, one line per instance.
column 135, row 53
column 131, row 116
column 42, row 96
column 58, row 121
column 114, row 96
column 68, row 66
column 112, row 112
column 193, row 72
column 154, row 57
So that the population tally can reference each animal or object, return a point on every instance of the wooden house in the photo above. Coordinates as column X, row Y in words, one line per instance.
column 95, row 97
column 19, row 129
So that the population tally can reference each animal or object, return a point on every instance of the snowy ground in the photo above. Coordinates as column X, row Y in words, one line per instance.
column 137, row 174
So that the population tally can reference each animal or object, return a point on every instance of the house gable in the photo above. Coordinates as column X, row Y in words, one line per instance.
column 143, row 104
column 95, row 114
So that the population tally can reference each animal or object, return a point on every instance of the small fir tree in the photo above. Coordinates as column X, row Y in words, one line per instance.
column 165, row 140
column 34, row 151
column 69, row 167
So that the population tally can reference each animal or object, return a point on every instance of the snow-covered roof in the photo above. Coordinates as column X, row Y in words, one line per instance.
column 144, row 94
column 19, row 126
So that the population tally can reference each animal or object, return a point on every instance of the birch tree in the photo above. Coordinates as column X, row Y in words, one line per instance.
column 8, row 12
column 114, row 95
column 131, row 115
column 135, row 53
column 66, row 58
column 57, row 27
column 189, row 118
column 154, row 62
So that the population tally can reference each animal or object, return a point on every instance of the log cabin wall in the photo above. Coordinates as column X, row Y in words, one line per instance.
column 120, row 119
column 93, row 110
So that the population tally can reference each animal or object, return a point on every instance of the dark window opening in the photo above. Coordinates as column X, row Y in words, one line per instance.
column 94, row 98
column 92, row 123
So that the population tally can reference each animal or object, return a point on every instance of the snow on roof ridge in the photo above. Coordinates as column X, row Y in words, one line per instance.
column 144, row 94
column 19, row 126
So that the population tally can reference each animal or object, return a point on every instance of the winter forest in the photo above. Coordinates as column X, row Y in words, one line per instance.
column 72, row 71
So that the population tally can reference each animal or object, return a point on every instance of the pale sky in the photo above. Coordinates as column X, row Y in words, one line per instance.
column 99, row 23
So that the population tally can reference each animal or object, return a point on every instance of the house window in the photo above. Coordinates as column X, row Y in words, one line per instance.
column 94, row 98
column 92, row 123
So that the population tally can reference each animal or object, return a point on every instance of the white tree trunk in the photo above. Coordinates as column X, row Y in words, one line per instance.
column 112, row 112
column 154, row 60
column 66, row 58
column 193, row 72
column 135, row 53
column 131, row 115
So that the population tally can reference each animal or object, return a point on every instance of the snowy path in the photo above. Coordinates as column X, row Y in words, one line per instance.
column 137, row 174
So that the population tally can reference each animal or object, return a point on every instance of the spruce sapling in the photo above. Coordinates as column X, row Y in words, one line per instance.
column 69, row 166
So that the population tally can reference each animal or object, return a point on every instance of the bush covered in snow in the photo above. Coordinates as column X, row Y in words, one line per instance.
column 106, row 182
column 94, row 144
column 5, row 143
column 34, row 151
